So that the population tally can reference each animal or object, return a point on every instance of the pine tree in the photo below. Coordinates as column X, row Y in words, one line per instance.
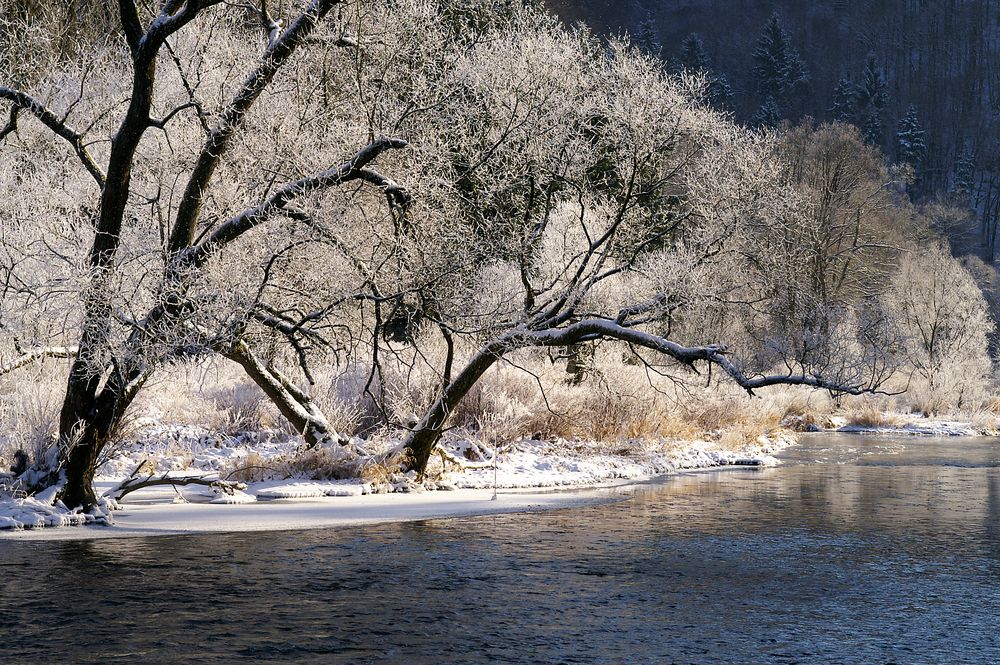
column 693, row 56
column 874, row 92
column 871, row 130
column 649, row 39
column 720, row 93
column 965, row 174
column 778, row 68
column 768, row 115
column 845, row 99
column 872, row 98
column 911, row 140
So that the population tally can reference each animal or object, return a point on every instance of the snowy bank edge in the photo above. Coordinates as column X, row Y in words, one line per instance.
column 164, row 519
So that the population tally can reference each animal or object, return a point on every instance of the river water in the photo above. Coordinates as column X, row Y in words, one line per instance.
column 855, row 550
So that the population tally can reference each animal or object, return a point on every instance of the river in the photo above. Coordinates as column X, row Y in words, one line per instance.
column 854, row 550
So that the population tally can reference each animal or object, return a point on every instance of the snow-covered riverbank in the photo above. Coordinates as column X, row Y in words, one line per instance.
column 589, row 469
column 896, row 424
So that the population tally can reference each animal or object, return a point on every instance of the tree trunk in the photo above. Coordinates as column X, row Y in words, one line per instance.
column 296, row 406
column 421, row 441
column 89, row 416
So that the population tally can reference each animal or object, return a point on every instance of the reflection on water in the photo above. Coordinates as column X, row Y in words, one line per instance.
column 854, row 551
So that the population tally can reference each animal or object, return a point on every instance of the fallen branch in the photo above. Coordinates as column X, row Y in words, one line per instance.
column 30, row 356
column 133, row 483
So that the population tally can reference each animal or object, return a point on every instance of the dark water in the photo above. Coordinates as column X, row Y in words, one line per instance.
column 855, row 551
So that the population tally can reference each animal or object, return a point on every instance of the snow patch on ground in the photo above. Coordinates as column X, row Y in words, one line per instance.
column 309, row 489
column 908, row 425
column 176, row 451
column 30, row 513
column 553, row 464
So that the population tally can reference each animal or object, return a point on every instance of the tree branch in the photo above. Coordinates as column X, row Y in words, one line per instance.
column 236, row 226
column 688, row 355
column 45, row 115
column 133, row 483
column 28, row 357
column 131, row 25
column 189, row 209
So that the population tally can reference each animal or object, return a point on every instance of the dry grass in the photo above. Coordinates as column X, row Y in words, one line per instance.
column 530, row 396
column 872, row 414
column 29, row 410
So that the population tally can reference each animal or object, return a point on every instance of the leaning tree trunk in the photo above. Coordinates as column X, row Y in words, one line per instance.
column 421, row 441
column 296, row 406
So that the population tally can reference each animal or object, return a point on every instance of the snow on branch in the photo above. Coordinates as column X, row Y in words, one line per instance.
column 280, row 49
column 234, row 227
column 136, row 482
column 47, row 117
column 30, row 356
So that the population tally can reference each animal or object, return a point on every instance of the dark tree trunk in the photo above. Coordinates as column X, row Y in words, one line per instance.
column 88, row 419
column 421, row 441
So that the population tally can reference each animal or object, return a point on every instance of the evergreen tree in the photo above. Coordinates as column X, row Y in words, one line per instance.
column 874, row 92
column 768, row 115
column 720, row 93
column 649, row 37
column 911, row 140
column 845, row 99
column 693, row 56
column 778, row 68
column 871, row 130
column 872, row 98
column 965, row 174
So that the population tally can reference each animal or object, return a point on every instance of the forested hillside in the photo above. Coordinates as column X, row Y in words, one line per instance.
column 905, row 71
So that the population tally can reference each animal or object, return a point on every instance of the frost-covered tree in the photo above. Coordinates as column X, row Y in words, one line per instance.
column 176, row 196
column 351, row 178
column 945, row 321
column 843, row 230
column 615, row 209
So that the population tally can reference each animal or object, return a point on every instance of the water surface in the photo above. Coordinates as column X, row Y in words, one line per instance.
column 855, row 550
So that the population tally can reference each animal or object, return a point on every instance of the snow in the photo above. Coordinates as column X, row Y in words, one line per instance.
column 160, row 516
column 310, row 489
column 590, row 468
column 30, row 513
column 545, row 464
column 919, row 427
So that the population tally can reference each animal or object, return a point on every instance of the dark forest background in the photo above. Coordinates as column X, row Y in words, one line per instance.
column 921, row 78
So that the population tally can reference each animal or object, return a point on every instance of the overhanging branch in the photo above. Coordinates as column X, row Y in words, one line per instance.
column 713, row 354
column 236, row 226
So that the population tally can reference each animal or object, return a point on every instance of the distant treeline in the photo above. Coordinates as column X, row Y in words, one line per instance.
column 936, row 65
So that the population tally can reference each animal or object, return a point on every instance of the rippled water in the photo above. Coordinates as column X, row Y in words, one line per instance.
column 855, row 550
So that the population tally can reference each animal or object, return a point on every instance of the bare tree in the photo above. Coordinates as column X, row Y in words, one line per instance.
column 945, row 321
column 111, row 367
